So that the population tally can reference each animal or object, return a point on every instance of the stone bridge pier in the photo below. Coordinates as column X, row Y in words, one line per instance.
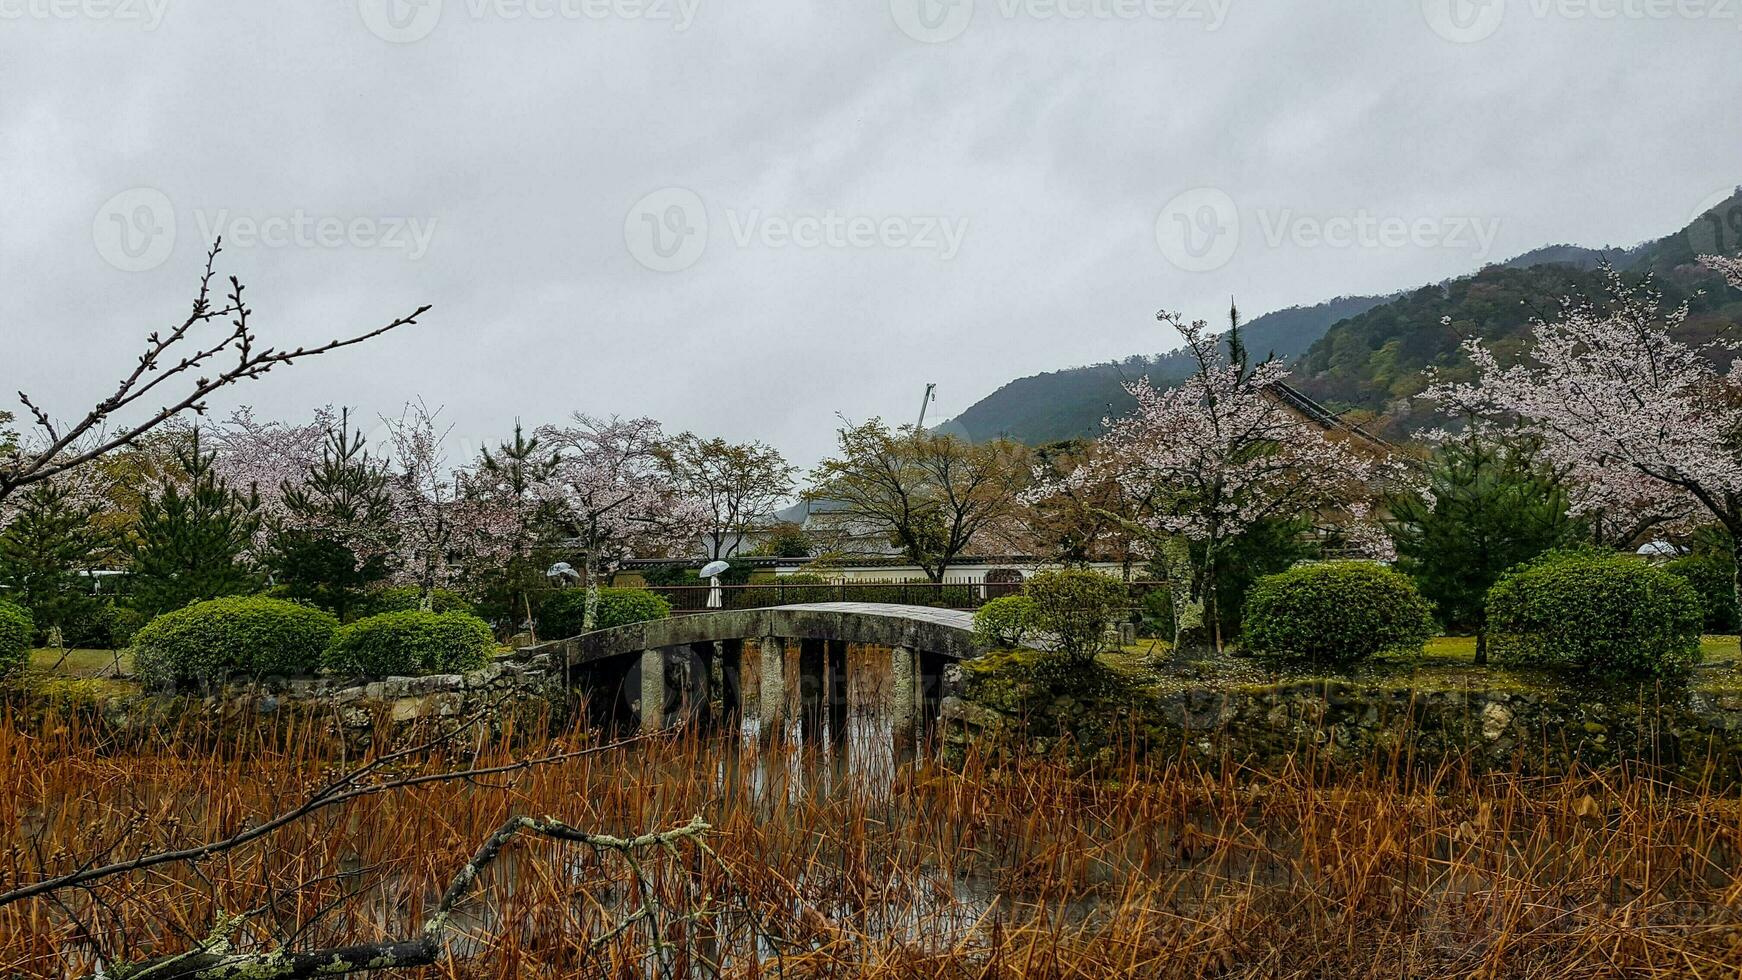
column 686, row 663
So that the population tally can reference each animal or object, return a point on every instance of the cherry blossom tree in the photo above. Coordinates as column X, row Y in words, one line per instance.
column 1730, row 269
column 426, row 498
column 1646, row 420
column 1211, row 458
column 614, row 495
column 270, row 456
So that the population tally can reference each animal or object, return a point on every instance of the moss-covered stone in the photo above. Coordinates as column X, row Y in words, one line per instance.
column 1422, row 713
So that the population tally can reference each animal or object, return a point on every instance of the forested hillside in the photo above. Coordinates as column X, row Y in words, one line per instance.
column 1071, row 403
column 1366, row 354
column 1373, row 362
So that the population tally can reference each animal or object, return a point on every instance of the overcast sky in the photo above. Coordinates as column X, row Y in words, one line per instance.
column 745, row 217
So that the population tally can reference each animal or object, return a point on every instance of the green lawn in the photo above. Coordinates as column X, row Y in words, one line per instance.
column 81, row 663
column 80, row 674
column 1447, row 662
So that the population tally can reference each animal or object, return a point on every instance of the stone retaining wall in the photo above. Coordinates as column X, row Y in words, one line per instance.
column 1099, row 714
column 521, row 685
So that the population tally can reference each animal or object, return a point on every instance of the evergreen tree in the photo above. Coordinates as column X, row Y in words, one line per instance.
column 193, row 536
column 337, row 530
column 49, row 539
column 510, row 478
column 1489, row 506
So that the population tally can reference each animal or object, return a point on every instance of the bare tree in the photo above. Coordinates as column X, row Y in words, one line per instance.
column 737, row 484
column 931, row 494
column 170, row 359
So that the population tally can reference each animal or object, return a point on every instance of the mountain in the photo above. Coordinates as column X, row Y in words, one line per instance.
column 1071, row 403
column 1372, row 362
column 1366, row 354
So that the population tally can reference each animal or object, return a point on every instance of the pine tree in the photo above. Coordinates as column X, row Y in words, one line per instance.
column 337, row 531
column 193, row 536
column 1489, row 506
column 49, row 539
column 510, row 478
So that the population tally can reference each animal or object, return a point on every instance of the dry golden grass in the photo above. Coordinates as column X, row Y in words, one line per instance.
column 857, row 871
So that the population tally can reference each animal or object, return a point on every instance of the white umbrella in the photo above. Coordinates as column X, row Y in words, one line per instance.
column 712, row 572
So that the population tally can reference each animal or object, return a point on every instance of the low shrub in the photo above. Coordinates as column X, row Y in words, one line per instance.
column 100, row 625
column 1003, row 623
column 124, row 622
column 1333, row 614
column 1713, row 576
column 798, row 587
column 560, row 615
column 409, row 598
column 410, row 643
column 1608, row 615
column 665, row 576
column 16, row 630
column 1074, row 609
column 236, row 636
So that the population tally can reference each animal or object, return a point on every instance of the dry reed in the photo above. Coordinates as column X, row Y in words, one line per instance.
column 830, row 869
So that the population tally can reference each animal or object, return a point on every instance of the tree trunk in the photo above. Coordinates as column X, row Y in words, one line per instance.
column 591, row 613
column 1190, row 637
column 1482, row 644
column 1736, row 555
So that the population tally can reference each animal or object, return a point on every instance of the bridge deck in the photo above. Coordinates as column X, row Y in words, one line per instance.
column 946, row 632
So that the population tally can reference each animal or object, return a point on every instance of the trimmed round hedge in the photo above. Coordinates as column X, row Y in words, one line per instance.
column 1713, row 576
column 16, row 629
column 1004, row 622
column 1335, row 613
column 1609, row 615
column 410, row 644
column 237, row 636
column 560, row 615
column 409, row 598
column 1074, row 608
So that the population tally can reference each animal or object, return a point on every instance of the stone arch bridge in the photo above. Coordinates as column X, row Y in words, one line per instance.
column 921, row 640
